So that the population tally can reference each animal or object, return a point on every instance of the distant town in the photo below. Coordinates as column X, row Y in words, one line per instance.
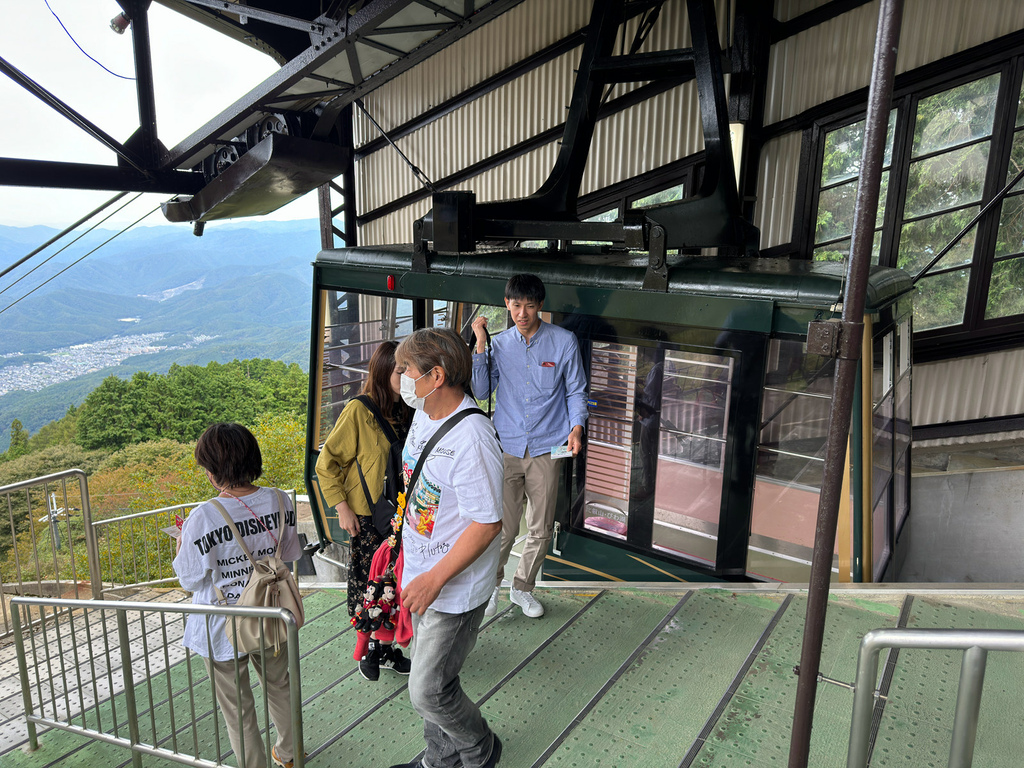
column 66, row 363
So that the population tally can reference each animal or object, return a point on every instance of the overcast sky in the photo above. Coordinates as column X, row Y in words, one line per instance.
column 197, row 73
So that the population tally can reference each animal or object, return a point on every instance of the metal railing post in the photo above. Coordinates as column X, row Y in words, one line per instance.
column 863, row 699
column 132, row 714
column 295, row 683
column 26, row 687
column 92, row 546
column 968, row 707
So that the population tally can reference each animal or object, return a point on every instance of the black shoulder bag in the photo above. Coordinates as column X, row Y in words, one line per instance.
column 383, row 509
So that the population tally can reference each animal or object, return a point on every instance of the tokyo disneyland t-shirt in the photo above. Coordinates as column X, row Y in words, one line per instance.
column 459, row 483
column 209, row 556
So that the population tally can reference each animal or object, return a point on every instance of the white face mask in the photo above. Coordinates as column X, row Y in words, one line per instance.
column 409, row 392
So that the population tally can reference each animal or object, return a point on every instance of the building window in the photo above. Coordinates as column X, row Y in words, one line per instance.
column 949, row 151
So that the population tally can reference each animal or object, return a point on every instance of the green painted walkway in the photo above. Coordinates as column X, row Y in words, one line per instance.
column 632, row 677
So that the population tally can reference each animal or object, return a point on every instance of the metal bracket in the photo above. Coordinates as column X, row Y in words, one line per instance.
column 656, row 278
column 835, row 339
column 419, row 248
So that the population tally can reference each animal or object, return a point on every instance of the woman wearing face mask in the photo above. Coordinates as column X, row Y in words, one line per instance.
column 358, row 444
column 450, row 542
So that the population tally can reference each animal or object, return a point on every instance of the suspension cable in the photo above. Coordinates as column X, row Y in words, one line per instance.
column 69, row 266
column 61, row 234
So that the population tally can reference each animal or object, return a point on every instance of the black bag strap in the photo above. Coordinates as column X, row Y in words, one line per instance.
column 389, row 431
column 432, row 442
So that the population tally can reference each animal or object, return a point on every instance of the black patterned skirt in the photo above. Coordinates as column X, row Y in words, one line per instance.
column 361, row 552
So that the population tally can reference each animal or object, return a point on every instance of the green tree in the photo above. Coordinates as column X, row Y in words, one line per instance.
column 61, row 431
column 19, row 441
column 106, row 418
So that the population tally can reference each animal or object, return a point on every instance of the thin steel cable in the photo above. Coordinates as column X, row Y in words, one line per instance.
column 123, row 77
column 69, row 266
column 61, row 234
column 55, row 253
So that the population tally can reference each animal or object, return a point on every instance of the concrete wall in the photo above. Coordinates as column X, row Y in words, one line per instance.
column 967, row 527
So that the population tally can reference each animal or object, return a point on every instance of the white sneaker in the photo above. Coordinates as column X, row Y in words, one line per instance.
column 492, row 604
column 525, row 600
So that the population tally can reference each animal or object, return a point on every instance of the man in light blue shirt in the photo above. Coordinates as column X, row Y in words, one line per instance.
column 537, row 376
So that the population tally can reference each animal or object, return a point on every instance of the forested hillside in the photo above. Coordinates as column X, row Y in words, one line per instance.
column 135, row 438
column 240, row 291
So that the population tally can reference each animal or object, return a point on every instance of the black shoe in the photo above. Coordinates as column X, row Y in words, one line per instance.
column 369, row 665
column 391, row 657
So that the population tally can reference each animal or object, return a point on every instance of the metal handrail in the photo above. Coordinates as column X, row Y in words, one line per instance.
column 47, row 484
column 976, row 643
column 67, row 671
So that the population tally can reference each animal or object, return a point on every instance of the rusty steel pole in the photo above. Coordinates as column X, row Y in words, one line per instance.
column 890, row 17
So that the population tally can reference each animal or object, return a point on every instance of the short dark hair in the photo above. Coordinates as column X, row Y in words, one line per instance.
column 428, row 348
column 525, row 287
column 230, row 453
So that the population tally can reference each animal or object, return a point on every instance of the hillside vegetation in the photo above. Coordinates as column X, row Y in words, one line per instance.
column 135, row 439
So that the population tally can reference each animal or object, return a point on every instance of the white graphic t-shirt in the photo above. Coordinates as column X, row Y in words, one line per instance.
column 459, row 483
column 209, row 556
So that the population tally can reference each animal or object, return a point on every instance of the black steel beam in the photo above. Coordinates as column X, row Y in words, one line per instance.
column 16, row 172
column 71, row 114
column 638, row 67
column 783, row 29
column 148, row 143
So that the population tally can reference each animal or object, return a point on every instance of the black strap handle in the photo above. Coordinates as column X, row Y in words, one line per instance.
column 385, row 425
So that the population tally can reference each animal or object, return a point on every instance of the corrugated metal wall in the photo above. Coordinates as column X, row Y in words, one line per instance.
column 776, row 189
column 977, row 387
column 838, row 53
column 640, row 139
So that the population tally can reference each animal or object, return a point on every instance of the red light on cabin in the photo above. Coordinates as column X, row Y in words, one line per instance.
column 391, row 282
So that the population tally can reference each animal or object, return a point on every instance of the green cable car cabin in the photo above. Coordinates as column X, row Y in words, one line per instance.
column 708, row 410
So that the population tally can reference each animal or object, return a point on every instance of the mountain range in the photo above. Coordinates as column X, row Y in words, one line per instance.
column 242, row 290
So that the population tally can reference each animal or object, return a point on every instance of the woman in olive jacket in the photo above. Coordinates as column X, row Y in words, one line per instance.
column 357, row 437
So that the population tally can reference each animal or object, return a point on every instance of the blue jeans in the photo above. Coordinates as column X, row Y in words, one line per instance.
column 455, row 731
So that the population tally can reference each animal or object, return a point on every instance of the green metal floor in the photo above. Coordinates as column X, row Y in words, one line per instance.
column 651, row 677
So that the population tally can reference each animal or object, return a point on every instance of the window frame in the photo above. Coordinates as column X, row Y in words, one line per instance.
column 974, row 333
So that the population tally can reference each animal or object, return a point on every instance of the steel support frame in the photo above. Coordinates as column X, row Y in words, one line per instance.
column 712, row 218
column 890, row 17
column 348, row 231
column 231, row 121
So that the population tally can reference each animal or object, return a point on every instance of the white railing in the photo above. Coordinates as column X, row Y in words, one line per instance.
column 44, row 519
column 113, row 671
column 975, row 643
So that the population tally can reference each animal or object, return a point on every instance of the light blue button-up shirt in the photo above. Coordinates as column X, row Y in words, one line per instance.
column 543, row 389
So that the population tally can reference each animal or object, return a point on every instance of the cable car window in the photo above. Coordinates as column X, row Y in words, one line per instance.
column 790, row 460
column 664, row 196
column 694, row 418
column 880, row 538
column 609, row 438
column 354, row 324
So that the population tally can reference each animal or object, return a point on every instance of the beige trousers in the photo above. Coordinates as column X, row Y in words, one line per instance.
column 232, row 697
column 534, row 480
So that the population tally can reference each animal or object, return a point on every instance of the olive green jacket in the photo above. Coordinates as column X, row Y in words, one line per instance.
column 356, row 437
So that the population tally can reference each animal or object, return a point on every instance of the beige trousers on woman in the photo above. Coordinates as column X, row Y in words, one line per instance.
column 237, row 696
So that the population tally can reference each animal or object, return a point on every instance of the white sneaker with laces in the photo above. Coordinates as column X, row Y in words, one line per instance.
column 525, row 600
column 492, row 604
